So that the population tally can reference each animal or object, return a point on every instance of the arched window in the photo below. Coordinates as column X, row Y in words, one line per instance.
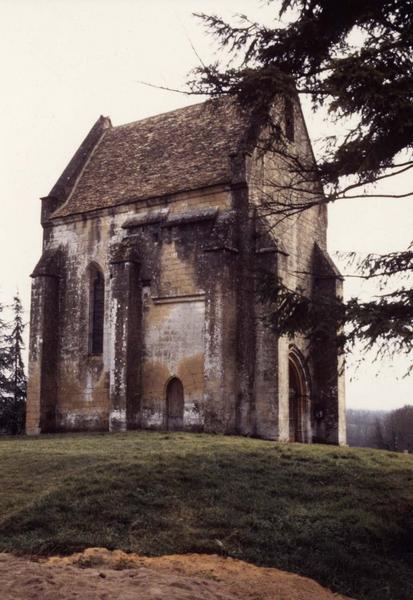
column 289, row 119
column 97, row 311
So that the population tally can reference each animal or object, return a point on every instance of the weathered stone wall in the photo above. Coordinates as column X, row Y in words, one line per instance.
column 169, row 311
column 174, row 346
column 295, row 239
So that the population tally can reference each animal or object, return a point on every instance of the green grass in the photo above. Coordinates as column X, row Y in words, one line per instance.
column 342, row 516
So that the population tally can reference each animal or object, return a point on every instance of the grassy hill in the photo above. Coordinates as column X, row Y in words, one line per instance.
column 342, row 516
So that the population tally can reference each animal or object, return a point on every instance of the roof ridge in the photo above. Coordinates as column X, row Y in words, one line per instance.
column 168, row 112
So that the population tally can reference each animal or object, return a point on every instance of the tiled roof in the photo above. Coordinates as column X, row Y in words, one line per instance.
column 185, row 149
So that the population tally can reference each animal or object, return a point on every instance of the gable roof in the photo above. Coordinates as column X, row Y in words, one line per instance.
column 186, row 149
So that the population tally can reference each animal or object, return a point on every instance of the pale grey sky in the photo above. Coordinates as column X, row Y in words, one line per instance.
column 65, row 62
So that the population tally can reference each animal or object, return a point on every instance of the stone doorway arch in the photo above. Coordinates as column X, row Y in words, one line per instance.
column 174, row 405
column 298, row 399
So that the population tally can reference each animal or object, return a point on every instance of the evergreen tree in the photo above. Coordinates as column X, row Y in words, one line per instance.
column 354, row 60
column 13, row 409
column 4, row 359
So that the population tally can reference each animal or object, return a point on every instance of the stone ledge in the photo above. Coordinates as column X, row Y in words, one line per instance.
column 179, row 298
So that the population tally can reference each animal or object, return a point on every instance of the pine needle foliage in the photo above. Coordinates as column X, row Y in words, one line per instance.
column 12, row 375
column 354, row 60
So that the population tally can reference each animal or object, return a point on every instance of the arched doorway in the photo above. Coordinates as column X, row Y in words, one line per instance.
column 174, row 405
column 298, row 399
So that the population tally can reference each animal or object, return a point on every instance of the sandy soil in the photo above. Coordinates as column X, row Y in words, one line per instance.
column 98, row 573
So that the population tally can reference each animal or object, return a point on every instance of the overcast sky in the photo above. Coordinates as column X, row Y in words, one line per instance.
column 65, row 62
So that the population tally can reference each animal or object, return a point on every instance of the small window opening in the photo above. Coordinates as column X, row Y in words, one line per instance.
column 97, row 312
column 289, row 119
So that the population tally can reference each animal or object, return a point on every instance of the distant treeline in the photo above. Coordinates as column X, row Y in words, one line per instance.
column 387, row 430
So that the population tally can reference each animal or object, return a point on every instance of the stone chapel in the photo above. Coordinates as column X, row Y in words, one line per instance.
column 144, row 310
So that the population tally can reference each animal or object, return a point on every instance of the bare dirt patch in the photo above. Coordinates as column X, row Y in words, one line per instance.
column 98, row 573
